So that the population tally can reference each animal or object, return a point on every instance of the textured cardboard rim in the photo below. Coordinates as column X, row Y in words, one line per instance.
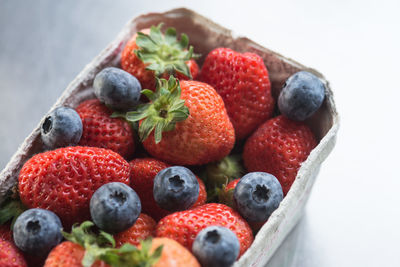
column 285, row 217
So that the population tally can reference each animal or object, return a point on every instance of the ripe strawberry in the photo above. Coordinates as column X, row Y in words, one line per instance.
column 69, row 254
column 10, row 256
column 100, row 130
column 5, row 232
column 143, row 172
column 142, row 229
column 173, row 254
column 279, row 146
column 64, row 180
column 150, row 54
column 203, row 132
column 243, row 83
column 185, row 225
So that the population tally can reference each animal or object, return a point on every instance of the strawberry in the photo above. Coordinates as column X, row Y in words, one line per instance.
column 150, row 54
column 5, row 232
column 196, row 125
column 143, row 228
column 143, row 172
column 69, row 254
column 185, row 225
column 10, row 256
column 64, row 180
column 100, row 130
column 86, row 247
column 173, row 254
column 242, row 81
column 279, row 146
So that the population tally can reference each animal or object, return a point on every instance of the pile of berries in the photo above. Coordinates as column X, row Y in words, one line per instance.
column 171, row 165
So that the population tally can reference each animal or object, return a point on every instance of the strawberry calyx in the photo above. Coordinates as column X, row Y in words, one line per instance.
column 222, row 172
column 10, row 210
column 226, row 196
column 218, row 174
column 164, row 53
column 101, row 246
column 164, row 110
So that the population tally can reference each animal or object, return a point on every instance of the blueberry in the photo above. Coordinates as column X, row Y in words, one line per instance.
column 37, row 231
column 115, row 207
column 62, row 127
column 216, row 246
column 175, row 188
column 117, row 88
column 301, row 96
column 257, row 195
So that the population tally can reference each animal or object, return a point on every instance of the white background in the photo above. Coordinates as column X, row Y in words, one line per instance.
column 353, row 215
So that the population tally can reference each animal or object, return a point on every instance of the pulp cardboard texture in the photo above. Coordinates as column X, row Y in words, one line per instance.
column 205, row 35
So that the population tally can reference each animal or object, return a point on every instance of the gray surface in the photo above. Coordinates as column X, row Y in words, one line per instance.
column 352, row 217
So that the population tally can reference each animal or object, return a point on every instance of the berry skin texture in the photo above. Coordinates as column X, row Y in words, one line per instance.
column 301, row 96
column 37, row 231
column 117, row 88
column 61, row 127
column 100, row 130
column 5, row 232
column 173, row 254
column 175, row 188
column 69, row 254
column 216, row 246
column 143, row 228
column 115, row 207
column 278, row 147
column 10, row 255
column 257, row 195
column 65, row 179
column 243, row 82
column 184, row 226
column 132, row 64
column 207, row 135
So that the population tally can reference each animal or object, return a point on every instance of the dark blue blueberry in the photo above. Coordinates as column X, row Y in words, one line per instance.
column 216, row 246
column 61, row 127
column 117, row 89
column 115, row 207
column 175, row 188
column 257, row 195
column 301, row 96
column 37, row 231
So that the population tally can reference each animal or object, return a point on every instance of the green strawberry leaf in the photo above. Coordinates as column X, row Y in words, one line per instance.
column 164, row 53
column 164, row 110
column 101, row 246
column 10, row 210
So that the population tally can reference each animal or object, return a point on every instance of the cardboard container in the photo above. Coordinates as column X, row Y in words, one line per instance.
column 205, row 35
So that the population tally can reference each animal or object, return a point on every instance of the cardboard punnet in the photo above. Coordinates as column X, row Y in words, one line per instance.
column 205, row 35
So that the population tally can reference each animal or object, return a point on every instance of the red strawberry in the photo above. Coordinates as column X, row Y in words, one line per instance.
column 100, row 130
column 68, row 254
column 143, row 172
column 10, row 256
column 163, row 57
column 183, row 226
column 197, row 127
column 279, row 146
column 5, row 232
column 64, row 180
column 142, row 229
column 242, row 81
